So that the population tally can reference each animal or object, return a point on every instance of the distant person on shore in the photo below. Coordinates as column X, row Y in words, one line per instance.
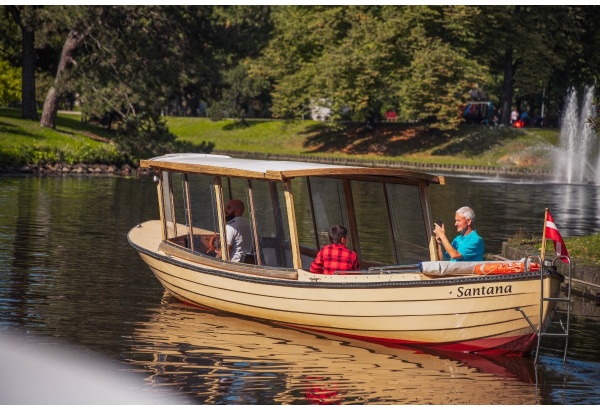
column 514, row 116
column 336, row 256
column 467, row 246
column 525, row 118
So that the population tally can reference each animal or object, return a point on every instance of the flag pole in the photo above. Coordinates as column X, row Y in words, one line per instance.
column 543, row 251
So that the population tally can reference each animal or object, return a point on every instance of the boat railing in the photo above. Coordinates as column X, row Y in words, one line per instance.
column 563, row 331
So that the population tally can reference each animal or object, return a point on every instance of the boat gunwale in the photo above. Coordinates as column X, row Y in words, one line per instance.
column 267, row 280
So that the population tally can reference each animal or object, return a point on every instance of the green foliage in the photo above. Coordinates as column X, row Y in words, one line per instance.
column 147, row 135
column 38, row 154
column 583, row 250
column 437, row 83
column 359, row 59
column 244, row 93
column 10, row 83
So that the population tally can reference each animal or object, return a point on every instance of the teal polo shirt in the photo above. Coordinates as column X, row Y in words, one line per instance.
column 469, row 246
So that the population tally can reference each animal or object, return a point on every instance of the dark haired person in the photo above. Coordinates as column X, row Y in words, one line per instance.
column 336, row 256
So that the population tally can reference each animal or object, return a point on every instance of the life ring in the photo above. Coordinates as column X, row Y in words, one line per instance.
column 502, row 268
column 214, row 244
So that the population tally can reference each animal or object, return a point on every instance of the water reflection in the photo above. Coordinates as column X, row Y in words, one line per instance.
column 223, row 359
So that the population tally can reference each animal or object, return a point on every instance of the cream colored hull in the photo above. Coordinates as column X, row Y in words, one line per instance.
column 475, row 313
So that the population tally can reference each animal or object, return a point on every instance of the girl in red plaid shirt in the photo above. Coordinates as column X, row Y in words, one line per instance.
column 335, row 257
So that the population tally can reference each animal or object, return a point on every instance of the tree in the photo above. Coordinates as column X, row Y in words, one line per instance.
column 25, row 18
column 50, row 109
column 243, row 93
column 362, row 58
column 527, row 46
column 437, row 84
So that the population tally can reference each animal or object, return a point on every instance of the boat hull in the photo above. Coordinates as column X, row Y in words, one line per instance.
column 484, row 314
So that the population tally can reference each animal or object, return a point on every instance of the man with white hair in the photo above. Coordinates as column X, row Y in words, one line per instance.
column 467, row 246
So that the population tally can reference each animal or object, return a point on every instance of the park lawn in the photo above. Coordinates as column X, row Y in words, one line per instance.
column 469, row 145
column 265, row 136
column 69, row 132
column 25, row 142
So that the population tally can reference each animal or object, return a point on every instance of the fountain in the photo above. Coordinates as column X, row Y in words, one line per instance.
column 577, row 160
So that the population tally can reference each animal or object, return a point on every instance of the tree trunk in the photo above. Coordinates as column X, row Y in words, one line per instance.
column 28, row 73
column 507, row 90
column 51, row 103
column 28, row 60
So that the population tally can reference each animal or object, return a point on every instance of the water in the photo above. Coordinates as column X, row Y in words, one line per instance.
column 577, row 160
column 69, row 280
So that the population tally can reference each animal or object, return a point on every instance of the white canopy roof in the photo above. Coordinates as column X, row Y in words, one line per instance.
column 269, row 169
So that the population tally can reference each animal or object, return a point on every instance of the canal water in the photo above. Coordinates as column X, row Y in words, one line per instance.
column 84, row 321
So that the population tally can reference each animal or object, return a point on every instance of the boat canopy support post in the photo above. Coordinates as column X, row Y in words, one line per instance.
column 161, row 208
column 353, row 227
column 190, row 224
column 426, row 206
column 221, row 217
column 252, row 212
column 291, row 217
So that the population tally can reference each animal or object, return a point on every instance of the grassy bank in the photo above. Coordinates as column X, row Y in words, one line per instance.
column 469, row 145
column 584, row 249
column 24, row 142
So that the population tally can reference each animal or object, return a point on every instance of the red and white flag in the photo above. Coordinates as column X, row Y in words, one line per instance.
column 552, row 233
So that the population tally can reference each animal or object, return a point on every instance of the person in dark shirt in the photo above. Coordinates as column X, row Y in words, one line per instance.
column 336, row 256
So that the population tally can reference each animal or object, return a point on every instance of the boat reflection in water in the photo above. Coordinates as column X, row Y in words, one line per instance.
column 215, row 358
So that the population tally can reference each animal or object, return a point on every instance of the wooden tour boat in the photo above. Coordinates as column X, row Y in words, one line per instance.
column 401, row 296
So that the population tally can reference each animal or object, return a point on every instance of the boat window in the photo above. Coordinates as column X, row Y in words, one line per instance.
column 408, row 223
column 236, row 188
column 179, row 202
column 373, row 223
column 167, row 204
column 272, row 224
column 304, row 214
column 329, row 207
column 203, row 211
column 174, row 207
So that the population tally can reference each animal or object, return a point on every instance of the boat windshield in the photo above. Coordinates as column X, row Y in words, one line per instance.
column 386, row 221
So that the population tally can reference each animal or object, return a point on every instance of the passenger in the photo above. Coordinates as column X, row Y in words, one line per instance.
column 335, row 257
column 238, row 232
column 467, row 246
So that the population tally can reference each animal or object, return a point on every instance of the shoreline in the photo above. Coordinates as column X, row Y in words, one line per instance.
column 129, row 170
